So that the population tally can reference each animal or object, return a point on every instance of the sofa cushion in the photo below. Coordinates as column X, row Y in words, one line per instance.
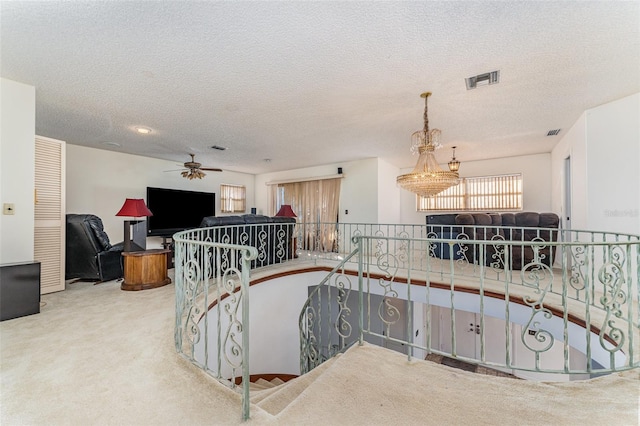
column 220, row 220
column 549, row 220
column 465, row 219
column 482, row 219
column 442, row 219
column 496, row 219
column 256, row 218
column 508, row 219
column 527, row 219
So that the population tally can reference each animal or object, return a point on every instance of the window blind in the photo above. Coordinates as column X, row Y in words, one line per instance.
column 484, row 193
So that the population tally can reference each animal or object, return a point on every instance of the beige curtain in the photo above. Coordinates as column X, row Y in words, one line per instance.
column 316, row 205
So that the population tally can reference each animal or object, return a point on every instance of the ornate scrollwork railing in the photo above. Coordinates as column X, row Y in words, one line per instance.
column 572, row 293
column 566, row 306
column 210, row 274
column 326, row 320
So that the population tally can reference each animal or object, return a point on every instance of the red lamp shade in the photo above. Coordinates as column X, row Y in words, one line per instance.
column 134, row 207
column 286, row 211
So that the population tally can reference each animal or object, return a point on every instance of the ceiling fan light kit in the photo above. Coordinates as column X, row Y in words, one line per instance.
column 194, row 170
column 193, row 174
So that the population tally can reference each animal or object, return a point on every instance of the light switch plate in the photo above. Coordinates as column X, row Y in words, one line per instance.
column 8, row 208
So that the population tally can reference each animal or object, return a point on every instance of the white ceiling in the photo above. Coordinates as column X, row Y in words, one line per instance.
column 311, row 83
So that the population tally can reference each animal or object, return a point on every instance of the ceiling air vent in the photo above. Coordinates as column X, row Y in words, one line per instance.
column 553, row 132
column 218, row 147
column 485, row 79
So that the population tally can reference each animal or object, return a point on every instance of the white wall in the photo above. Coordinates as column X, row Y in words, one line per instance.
column 275, row 306
column 613, row 166
column 536, row 177
column 17, row 173
column 604, row 146
column 358, row 190
column 98, row 182
column 572, row 145
column 388, row 193
column 370, row 194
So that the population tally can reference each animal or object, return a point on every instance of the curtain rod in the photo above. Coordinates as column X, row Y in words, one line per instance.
column 278, row 182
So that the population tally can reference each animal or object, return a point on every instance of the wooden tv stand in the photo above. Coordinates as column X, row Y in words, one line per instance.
column 144, row 270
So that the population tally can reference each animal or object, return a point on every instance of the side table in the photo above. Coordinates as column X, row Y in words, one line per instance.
column 19, row 289
column 144, row 270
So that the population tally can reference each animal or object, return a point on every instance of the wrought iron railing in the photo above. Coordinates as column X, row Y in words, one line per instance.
column 214, row 274
column 554, row 291
column 567, row 295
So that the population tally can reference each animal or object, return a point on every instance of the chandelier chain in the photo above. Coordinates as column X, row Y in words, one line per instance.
column 426, row 117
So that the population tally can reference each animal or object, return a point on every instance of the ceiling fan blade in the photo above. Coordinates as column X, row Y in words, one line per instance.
column 176, row 170
column 210, row 169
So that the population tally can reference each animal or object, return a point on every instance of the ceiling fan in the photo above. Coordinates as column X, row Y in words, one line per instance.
column 194, row 170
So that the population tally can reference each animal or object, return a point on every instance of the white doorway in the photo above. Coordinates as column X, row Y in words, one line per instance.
column 468, row 338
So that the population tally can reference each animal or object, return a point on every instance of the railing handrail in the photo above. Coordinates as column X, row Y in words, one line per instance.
column 304, row 367
column 616, row 299
column 247, row 254
column 579, row 256
column 504, row 242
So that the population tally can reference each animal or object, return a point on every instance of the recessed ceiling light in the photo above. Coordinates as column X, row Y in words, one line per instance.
column 143, row 130
column 267, row 160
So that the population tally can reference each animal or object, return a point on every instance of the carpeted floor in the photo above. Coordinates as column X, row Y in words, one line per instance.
column 101, row 356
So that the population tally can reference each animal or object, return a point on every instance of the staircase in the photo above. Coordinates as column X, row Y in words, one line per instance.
column 262, row 384
column 275, row 395
column 369, row 384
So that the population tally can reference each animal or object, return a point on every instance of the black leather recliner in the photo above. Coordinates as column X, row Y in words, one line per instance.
column 89, row 254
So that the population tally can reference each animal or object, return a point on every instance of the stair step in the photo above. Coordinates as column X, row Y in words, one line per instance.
column 265, row 384
column 262, row 385
column 275, row 402
column 277, row 381
column 258, row 395
column 252, row 387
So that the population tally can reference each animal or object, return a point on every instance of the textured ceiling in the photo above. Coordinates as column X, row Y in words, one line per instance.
column 311, row 83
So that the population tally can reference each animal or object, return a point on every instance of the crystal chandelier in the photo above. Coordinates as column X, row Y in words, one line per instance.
column 427, row 178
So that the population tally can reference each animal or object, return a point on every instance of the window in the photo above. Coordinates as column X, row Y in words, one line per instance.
column 233, row 198
column 486, row 193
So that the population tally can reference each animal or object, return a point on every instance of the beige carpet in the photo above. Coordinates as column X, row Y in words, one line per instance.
column 97, row 355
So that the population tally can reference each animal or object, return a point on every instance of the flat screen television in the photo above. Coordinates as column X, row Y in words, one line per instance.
column 175, row 210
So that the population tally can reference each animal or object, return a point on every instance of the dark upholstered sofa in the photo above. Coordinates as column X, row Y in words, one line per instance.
column 89, row 253
column 516, row 227
column 271, row 236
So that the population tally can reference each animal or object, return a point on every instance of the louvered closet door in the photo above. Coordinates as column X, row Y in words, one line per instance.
column 50, row 213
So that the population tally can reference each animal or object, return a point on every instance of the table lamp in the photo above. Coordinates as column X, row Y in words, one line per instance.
column 286, row 211
column 132, row 207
